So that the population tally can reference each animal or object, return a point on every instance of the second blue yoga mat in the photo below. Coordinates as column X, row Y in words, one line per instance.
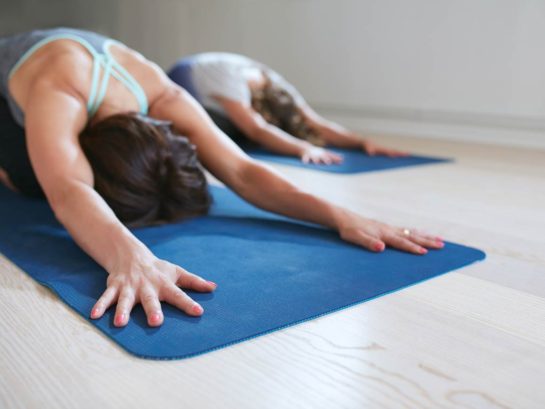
column 354, row 161
column 271, row 273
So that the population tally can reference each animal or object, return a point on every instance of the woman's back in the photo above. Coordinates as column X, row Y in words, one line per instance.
column 109, row 76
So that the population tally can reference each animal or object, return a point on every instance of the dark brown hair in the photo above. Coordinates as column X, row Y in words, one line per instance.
column 279, row 108
column 145, row 172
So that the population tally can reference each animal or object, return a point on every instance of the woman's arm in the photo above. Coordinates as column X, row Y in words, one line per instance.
column 263, row 187
column 53, row 121
column 256, row 128
column 336, row 135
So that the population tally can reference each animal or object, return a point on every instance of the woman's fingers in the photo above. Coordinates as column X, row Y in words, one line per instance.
column 175, row 296
column 317, row 159
column 124, row 307
column 318, row 156
column 427, row 241
column 413, row 242
column 150, row 302
column 193, row 282
column 423, row 239
column 404, row 243
column 327, row 159
column 150, row 292
column 372, row 150
column 366, row 240
column 376, row 236
column 392, row 153
column 104, row 302
column 335, row 158
column 428, row 236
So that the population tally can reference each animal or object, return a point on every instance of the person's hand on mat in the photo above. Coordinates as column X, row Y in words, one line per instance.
column 375, row 235
column 372, row 149
column 318, row 155
column 149, row 280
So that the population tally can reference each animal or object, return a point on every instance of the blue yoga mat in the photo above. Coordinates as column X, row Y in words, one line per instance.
column 354, row 161
column 271, row 272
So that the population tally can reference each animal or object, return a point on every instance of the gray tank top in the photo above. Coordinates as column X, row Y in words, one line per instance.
column 17, row 49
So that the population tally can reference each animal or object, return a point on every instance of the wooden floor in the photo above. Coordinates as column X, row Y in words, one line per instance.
column 474, row 338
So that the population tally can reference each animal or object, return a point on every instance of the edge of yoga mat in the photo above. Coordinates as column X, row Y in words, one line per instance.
column 388, row 163
column 291, row 324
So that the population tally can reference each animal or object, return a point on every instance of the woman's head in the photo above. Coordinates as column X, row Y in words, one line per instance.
column 145, row 172
column 279, row 108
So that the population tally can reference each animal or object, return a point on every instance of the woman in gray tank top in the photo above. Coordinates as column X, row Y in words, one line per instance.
column 102, row 127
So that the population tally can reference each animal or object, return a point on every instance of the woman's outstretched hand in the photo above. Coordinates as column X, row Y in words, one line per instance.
column 375, row 235
column 372, row 149
column 318, row 155
column 148, row 280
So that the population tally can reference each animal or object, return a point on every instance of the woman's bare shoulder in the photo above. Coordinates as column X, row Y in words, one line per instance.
column 61, row 65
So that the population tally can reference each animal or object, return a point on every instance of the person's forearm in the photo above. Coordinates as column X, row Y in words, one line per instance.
column 336, row 135
column 333, row 133
column 94, row 226
column 276, row 140
column 266, row 189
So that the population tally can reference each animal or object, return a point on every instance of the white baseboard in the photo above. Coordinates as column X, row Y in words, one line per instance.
column 500, row 130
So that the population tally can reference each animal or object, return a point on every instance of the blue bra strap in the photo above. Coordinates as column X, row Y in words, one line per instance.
column 133, row 85
column 127, row 79
column 94, row 83
column 107, row 66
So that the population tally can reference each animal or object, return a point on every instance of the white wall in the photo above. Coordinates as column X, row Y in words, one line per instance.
column 22, row 15
column 472, row 69
column 160, row 29
column 468, row 69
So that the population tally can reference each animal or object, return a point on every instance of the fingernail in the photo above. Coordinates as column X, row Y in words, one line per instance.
column 120, row 319
column 212, row 283
column 197, row 309
column 422, row 251
column 378, row 247
column 155, row 317
column 94, row 313
column 440, row 244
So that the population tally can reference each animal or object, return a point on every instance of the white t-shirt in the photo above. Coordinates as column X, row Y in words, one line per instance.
column 226, row 75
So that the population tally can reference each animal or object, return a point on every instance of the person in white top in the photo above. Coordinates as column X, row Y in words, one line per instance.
column 251, row 102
